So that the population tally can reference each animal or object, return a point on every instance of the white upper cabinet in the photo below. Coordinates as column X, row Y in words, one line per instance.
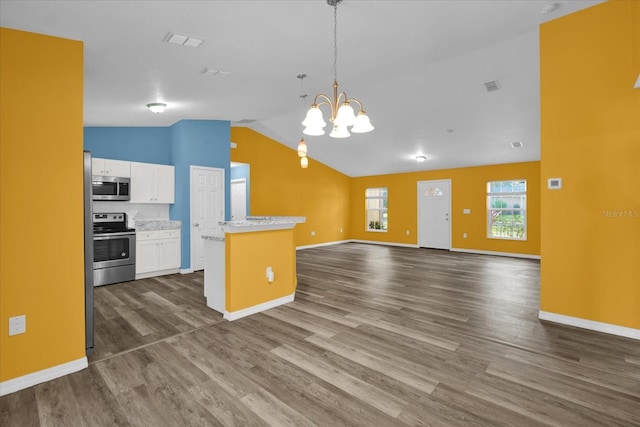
column 151, row 183
column 109, row 167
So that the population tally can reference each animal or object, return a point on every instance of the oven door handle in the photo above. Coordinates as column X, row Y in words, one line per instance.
column 109, row 236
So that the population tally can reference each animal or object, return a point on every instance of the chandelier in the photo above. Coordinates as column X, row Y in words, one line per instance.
column 342, row 114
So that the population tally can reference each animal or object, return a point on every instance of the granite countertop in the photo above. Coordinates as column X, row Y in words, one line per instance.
column 157, row 225
column 214, row 238
column 253, row 221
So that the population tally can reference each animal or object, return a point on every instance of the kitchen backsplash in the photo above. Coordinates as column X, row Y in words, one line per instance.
column 134, row 211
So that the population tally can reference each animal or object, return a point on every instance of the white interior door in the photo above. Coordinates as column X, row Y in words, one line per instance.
column 238, row 199
column 434, row 214
column 207, row 209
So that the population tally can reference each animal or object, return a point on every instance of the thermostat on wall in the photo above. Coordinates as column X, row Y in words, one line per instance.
column 554, row 183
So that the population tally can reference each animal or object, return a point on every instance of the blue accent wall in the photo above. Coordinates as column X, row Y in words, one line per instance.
column 243, row 172
column 198, row 143
column 136, row 144
column 188, row 142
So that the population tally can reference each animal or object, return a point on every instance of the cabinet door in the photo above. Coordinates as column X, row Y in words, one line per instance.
column 118, row 168
column 97, row 166
column 142, row 182
column 169, row 254
column 147, row 256
column 165, row 182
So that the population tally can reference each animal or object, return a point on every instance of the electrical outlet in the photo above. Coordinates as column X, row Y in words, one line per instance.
column 408, row 232
column 464, row 235
column 17, row 325
column 313, row 233
column 341, row 229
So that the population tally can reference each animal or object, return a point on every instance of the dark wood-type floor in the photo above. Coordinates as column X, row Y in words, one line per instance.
column 377, row 336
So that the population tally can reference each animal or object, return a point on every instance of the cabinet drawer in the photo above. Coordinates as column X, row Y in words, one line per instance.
column 157, row 234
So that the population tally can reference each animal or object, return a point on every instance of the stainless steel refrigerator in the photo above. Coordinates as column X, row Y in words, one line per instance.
column 88, row 254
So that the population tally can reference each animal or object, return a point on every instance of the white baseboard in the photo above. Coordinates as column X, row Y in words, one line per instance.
column 186, row 270
column 507, row 254
column 607, row 328
column 375, row 242
column 235, row 315
column 319, row 245
column 29, row 380
column 157, row 273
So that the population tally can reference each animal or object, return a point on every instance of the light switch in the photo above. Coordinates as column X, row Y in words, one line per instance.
column 466, row 211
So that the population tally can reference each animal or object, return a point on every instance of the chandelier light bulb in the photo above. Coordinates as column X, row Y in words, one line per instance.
column 304, row 162
column 313, row 131
column 302, row 148
column 346, row 116
column 339, row 132
column 314, row 118
column 363, row 124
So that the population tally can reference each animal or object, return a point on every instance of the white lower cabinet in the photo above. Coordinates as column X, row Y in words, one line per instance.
column 157, row 253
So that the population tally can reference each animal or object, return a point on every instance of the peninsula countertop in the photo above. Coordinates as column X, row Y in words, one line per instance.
column 254, row 223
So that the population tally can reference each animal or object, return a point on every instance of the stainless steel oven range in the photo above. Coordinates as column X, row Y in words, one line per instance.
column 114, row 249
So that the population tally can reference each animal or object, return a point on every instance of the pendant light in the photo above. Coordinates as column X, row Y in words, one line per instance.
column 342, row 114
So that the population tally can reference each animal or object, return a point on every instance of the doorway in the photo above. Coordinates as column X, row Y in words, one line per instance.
column 207, row 209
column 434, row 214
column 238, row 199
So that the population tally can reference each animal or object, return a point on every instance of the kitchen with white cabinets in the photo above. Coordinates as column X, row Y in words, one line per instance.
column 152, row 191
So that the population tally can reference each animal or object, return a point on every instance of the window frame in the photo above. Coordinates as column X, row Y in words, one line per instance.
column 383, row 211
column 492, row 196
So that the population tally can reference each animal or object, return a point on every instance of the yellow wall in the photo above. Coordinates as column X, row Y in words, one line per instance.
column 590, row 134
column 468, row 191
column 247, row 257
column 280, row 187
column 41, row 267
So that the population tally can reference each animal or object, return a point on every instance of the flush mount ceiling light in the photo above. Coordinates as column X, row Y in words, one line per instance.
column 421, row 158
column 157, row 107
column 342, row 114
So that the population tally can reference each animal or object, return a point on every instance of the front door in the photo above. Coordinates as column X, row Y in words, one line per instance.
column 207, row 209
column 434, row 214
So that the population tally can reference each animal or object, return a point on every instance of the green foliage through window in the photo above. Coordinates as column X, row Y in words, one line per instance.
column 506, row 209
column 376, row 209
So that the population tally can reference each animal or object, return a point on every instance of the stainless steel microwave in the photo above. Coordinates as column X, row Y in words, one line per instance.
column 110, row 188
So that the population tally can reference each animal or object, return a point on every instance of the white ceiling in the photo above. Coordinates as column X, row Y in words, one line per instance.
column 419, row 67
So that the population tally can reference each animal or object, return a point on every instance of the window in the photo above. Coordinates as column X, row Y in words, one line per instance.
column 376, row 207
column 507, row 210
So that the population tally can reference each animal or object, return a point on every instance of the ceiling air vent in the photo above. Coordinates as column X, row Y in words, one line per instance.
column 517, row 144
column 492, row 86
column 183, row 40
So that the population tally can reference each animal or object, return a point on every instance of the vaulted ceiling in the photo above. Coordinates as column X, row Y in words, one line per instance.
column 419, row 68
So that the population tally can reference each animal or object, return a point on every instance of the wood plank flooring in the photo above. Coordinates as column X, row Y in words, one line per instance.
column 377, row 336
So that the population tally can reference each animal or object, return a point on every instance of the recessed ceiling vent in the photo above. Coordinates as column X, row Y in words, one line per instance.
column 492, row 86
column 183, row 40
column 517, row 144
column 215, row 72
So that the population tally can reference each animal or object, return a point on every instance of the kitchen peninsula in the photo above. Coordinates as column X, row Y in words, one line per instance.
column 250, row 266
